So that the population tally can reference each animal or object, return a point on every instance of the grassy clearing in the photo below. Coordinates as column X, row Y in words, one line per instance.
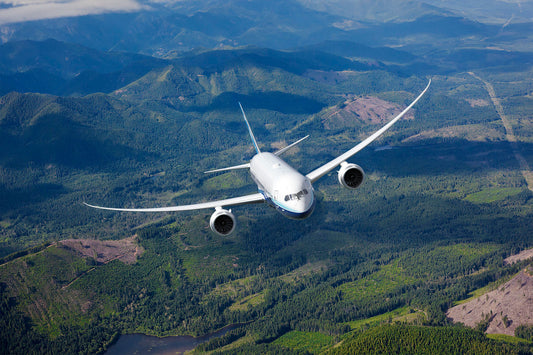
column 493, row 195
column 475, row 294
column 305, row 270
column 483, row 290
column 388, row 278
column 247, row 339
column 404, row 314
column 312, row 342
column 248, row 302
column 235, row 291
column 508, row 338
column 198, row 266
column 467, row 252
column 233, row 287
column 225, row 181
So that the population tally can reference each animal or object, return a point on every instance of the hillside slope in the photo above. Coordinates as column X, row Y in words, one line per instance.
column 501, row 310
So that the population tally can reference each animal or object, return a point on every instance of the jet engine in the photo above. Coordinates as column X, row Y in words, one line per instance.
column 222, row 222
column 351, row 175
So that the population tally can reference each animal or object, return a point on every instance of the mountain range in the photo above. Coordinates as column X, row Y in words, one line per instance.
column 164, row 29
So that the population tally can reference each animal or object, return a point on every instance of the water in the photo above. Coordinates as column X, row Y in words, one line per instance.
column 130, row 344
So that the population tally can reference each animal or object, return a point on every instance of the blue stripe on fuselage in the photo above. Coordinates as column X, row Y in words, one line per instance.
column 287, row 212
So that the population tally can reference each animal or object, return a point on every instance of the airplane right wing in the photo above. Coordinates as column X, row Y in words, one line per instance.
column 326, row 168
column 242, row 200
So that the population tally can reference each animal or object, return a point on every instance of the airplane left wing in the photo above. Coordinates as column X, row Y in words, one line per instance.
column 242, row 200
column 326, row 168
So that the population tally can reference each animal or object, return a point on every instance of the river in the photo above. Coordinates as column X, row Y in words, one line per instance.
column 137, row 344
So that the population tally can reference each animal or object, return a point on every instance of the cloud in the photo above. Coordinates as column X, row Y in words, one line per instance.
column 12, row 11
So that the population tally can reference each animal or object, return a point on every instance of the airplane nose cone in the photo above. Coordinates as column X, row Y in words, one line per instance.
column 304, row 207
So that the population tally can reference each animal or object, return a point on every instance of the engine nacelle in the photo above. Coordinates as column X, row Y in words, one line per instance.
column 222, row 222
column 351, row 175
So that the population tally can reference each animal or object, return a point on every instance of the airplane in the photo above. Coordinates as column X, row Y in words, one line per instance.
column 279, row 185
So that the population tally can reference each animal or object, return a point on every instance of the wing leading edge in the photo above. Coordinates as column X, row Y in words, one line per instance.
column 242, row 200
column 326, row 168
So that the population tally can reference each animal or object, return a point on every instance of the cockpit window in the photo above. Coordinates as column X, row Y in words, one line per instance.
column 296, row 196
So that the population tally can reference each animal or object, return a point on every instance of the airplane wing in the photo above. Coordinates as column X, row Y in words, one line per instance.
column 243, row 200
column 326, row 168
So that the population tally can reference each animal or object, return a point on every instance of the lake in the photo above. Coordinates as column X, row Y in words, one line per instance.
column 143, row 344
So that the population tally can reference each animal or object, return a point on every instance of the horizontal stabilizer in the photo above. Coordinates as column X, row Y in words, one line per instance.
column 283, row 150
column 236, row 167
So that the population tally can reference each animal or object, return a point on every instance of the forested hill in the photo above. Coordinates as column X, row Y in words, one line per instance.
column 400, row 339
column 67, row 69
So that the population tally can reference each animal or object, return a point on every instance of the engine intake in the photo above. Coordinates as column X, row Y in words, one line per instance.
column 351, row 176
column 222, row 222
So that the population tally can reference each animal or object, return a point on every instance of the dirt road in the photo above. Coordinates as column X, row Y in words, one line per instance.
column 511, row 138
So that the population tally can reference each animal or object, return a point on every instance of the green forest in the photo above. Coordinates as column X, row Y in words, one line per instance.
column 371, row 271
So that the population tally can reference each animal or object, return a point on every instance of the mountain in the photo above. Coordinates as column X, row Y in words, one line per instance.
column 358, row 50
column 44, row 130
column 278, row 24
column 74, row 70
column 62, row 59
column 377, row 11
column 63, row 68
column 491, row 11
column 167, row 30
column 450, row 30
column 164, row 29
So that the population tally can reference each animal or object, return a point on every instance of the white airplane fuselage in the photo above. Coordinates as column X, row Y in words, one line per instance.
column 284, row 188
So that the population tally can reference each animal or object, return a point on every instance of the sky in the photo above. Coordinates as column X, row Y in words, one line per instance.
column 12, row 11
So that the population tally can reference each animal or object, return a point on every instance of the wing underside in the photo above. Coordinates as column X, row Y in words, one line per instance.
column 326, row 168
column 242, row 200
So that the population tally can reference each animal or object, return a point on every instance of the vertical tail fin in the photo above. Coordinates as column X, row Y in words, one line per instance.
column 250, row 130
